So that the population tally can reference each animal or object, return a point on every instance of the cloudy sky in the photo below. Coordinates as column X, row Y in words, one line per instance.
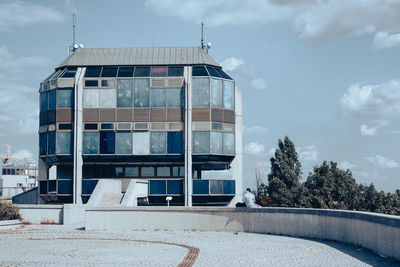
column 323, row 72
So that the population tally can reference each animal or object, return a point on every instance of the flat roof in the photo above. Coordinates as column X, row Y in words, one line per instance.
column 139, row 56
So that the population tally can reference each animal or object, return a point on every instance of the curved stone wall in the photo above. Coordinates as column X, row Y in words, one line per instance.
column 377, row 232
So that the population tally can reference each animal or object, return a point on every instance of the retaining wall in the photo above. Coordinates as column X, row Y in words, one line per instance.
column 41, row 213
column 377, row 232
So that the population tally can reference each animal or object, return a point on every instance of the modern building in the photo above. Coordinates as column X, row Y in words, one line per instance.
column 164, row 115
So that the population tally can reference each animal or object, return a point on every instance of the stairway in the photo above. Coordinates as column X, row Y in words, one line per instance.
column 111, row 199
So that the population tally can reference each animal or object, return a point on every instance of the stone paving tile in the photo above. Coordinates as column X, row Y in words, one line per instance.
column 54, row 245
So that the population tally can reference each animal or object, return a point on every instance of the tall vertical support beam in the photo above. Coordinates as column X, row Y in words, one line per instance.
column 237, row 163
column 187, row 72
column 78, row 161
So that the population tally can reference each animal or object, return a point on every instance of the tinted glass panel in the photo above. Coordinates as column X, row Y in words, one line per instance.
column 216, row 187
column 223, row 74
column 64, row 143
column 64, row 187
column 159, row 71
column 91, row 98
column 141, row 126
column 124, row 143
column 199, row 71
column 229, row 187
column 201, row 142
column 91, row 126
column 142, row 72
column 147, row 171
column 213, row 72
column 158, row 143
column 92, row 83
column 201, row 92
column 108, row 98
column 107, row 142
column 52, row 185
column 125, row 93
column 52, row 99
column 200, row 187
column 109, row 72
column 175, row 71
column 51, row 147
column 174, row 97
column 44, row 101
column 229, row 95
column 132, row 171
column 93, row 72
column 107, row 126
column 216, row 99
column 216, row 142
column 216, row 126
column 125, row 72
column 229, row 143
column 175, row 142
column 65, row 98
column 43, row 143
column 157, row 187
column 158, row 97
column 107, row 83
column 163, row 171
column 175, row 187
column 141, row 93
column 90, row 143
column 88, row 186
column 70, row 73
column 65, row 126
column 65, row 172
column 43, row 187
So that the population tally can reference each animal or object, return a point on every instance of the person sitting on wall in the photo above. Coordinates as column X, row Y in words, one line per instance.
column 249, row 199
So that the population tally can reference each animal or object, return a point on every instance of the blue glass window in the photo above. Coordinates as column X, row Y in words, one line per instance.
column 43, row 187
column 65, row 98
column 199, row 71
column 141, row 92
column 88, row 186
column 107, row 142
column 109, row 72
column 64, row 172
column 201, row 142
column 175, row 71
column 70, row 73
column 175, row 142
column 216, row 187
column 147, row 171
column 200, row 187
column 229, row 187
column 158, row 97
column 174, row 187
column 52, row 185
column 142, row 72
column 93, row 72
column 125, row 93
column 90, row 143
column 52, row 99
column 213, row 72
column 201, row 92
column 64, row 187
column 157, row 187
column 92, row 83
column 65, row 126
column 64, row 143
column 131, row 171
column 174, row 97
column 43, row 143
column 51, row 148
column 44, row 101
column 223, row 74
column 125, row 71
column 158, row 143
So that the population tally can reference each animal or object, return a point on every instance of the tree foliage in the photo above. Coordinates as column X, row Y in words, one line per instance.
column 326, row 187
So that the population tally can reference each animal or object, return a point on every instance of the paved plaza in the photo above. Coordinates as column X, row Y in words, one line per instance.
column 55, row 245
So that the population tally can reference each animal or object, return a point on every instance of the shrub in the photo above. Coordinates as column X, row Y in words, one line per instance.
column 8, row 211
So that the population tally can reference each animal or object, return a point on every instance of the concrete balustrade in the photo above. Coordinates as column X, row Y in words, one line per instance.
column 377, row 232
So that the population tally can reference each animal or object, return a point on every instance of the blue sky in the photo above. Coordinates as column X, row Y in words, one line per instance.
column 323, row 72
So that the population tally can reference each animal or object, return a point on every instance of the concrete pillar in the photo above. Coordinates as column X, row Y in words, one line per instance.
column 78, row 161
column 187, row 72
column 237, row 163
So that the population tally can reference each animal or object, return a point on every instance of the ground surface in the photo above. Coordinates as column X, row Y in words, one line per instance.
column 54, row 245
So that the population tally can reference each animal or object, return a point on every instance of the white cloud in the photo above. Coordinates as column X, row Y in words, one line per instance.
column 254, row 148
column 22, row 154
column 258, row 84
column 232, row 63
column 384, row 40
column 255, row 130
column 311, row 19
column 382, row 162
column 16, row 14
column 308, row 153
column 381, row 101
column 365, row 130
column 345, row 165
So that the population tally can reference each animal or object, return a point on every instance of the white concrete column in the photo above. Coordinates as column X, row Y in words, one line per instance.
column 237, row 163
column 78, row 161
column 187, row 72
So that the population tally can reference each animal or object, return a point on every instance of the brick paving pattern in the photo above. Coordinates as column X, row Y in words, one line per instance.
column 55, row 245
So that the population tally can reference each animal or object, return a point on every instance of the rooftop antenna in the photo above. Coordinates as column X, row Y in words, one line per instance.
column 71, row 49
column 204, row 46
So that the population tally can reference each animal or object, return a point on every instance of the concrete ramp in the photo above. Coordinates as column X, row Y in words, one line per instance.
column 106, row 193
column 111, row 200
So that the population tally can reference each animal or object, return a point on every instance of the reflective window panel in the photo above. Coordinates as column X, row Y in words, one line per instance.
column 125, row 93
column 141, row 92
column 201, row 92
column 158, row 143
column 90, row 143
column 124, row 143
column 201, row 142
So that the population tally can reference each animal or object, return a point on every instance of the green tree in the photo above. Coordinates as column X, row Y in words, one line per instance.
column 284, row 187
